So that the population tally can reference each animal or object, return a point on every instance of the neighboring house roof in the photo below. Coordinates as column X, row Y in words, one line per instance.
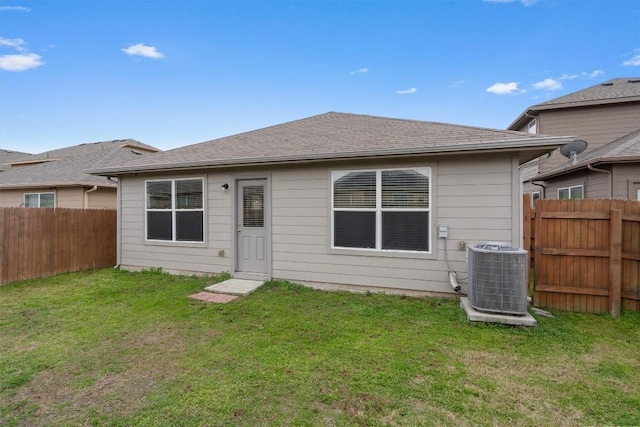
column 613, row 91
column 70, row 170
column 82, row 149
column 622, row 150
column 7, row 156
column 339, row 136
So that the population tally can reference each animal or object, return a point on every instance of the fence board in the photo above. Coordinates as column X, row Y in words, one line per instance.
column 585, row 254
column 43, row 242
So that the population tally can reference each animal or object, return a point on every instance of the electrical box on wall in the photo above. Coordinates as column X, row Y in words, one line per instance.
column 443, row 231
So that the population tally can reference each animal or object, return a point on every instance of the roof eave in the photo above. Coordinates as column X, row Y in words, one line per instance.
column 55, row 184
column 538, row 144
column 585, row 164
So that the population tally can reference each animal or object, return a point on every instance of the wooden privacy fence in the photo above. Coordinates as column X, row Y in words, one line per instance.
column 43, row 242
column 585, row 254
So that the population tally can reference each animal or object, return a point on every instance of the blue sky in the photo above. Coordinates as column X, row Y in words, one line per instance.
column 173, row 73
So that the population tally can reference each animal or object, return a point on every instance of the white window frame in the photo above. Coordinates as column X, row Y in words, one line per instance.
column 532, row 126
column 533, row 199
column 570, row 189
column 379, row 210
column 174, row 211
column 24, row 198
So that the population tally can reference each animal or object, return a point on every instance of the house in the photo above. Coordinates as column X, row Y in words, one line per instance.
column 57, row 179
column 609, row 172
column 340, row 200
column 598, row 115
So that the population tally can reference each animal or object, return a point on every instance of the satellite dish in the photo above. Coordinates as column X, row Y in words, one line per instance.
column 572, row 149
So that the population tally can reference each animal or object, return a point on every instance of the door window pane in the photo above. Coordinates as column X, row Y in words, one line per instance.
column 253, row 206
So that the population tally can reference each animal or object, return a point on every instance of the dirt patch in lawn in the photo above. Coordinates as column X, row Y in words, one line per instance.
column 110, row 385
column 512, row 383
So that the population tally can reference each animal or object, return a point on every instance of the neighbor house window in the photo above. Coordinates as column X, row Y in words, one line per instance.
column 39, row 200
column 575, row 192
column 383, row 210
column 533, row 126
column 174, row 209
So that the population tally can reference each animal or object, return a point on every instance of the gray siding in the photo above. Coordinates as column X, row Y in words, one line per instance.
column 135, row 252
column 626, row 180
column 473, row 196
column 596, row 125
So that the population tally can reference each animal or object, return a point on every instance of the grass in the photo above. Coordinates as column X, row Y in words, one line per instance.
column 117, row 348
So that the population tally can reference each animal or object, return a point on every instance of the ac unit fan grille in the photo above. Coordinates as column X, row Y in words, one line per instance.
column 497, row 279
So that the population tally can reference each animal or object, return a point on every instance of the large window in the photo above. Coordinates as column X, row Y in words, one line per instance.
column 175, row 210
column 385, row 210
column 575, row 192
column 39, row 200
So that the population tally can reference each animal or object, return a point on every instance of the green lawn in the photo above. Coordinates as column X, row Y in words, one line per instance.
column 112, row 347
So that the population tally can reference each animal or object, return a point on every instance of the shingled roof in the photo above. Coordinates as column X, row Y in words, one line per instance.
column 84, row 149
column 68, row 171
column 8, row 156
column 614, row 91
column 336, row 136
column 622, row 150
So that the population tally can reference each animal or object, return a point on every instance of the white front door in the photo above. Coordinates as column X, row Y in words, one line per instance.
column 252, row 239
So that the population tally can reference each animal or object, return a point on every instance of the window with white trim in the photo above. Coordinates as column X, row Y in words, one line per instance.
column 175, row 210
column 382, row 210
column 39, row 200
column 533, row 126
column 574, row 192
column 535, row 195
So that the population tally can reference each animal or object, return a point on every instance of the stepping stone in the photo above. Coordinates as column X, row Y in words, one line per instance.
column 211, row 297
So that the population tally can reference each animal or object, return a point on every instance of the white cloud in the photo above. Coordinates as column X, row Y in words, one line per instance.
column 566, row 76
column 14, row 9
column 359, row 71
column 505, row 88
column 547, row 84
column 593, row 74
column 17, row 44
column 524, row 2
column 141, row 49
column 458, row 83
column 407, row 92
column 20, row 62
column 634, row 61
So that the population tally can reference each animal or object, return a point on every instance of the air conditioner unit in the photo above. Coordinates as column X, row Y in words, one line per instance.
column 497, row 278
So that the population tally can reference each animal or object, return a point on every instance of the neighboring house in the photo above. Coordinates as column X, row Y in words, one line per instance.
column 57, row 178
column 598, row 115
column 339, row 200
column 611, row 171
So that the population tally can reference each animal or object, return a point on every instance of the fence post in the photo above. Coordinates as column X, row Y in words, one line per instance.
column 526, row 233
column 615, row 261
